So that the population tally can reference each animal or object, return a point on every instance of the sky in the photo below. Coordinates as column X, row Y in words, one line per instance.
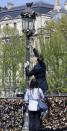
column 21, row 2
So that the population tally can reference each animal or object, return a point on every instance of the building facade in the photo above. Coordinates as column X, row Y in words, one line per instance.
column 10, row 16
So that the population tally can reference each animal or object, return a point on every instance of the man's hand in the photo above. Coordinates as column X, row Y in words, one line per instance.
column 26, row 64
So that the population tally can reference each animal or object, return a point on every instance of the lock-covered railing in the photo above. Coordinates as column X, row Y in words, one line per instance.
column 12, row 115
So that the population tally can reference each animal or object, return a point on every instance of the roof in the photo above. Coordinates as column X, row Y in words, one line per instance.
column 40, row 8
column 54, row 13
column 65, row 2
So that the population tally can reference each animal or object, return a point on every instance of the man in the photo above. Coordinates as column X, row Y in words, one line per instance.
column 39, row 71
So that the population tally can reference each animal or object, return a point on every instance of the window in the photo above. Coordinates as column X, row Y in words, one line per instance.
column 0, row 26
column 7, row 25
column 15, row 24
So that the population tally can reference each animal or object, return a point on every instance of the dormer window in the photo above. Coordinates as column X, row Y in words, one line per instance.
column 0, row 27
column 7, row 25
column 15, row 24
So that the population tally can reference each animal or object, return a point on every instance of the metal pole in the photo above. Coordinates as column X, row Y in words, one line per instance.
column 27, row 48
column 27, row 55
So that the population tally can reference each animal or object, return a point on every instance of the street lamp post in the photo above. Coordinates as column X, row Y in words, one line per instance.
column 28, row 20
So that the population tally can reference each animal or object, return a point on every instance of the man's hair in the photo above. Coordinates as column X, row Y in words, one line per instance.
column 36, row 52
column 40, row 58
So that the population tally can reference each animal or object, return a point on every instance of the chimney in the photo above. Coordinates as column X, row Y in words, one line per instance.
column 65, row 5
column 57, row 5
column 10, row 5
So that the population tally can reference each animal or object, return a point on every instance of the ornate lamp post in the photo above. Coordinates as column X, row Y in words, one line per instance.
column 28, row 20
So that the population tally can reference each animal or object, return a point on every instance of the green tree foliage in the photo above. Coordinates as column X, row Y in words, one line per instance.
column 12, row 57
column 54, row 49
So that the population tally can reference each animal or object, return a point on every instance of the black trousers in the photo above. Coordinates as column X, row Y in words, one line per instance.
column 34, row 120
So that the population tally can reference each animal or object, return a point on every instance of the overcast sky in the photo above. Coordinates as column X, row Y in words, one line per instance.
column 21, row 2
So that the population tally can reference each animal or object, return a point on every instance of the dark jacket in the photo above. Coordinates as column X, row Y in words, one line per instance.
column 39, row 71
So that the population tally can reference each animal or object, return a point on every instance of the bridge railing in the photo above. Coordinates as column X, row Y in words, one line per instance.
column 12, row 115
